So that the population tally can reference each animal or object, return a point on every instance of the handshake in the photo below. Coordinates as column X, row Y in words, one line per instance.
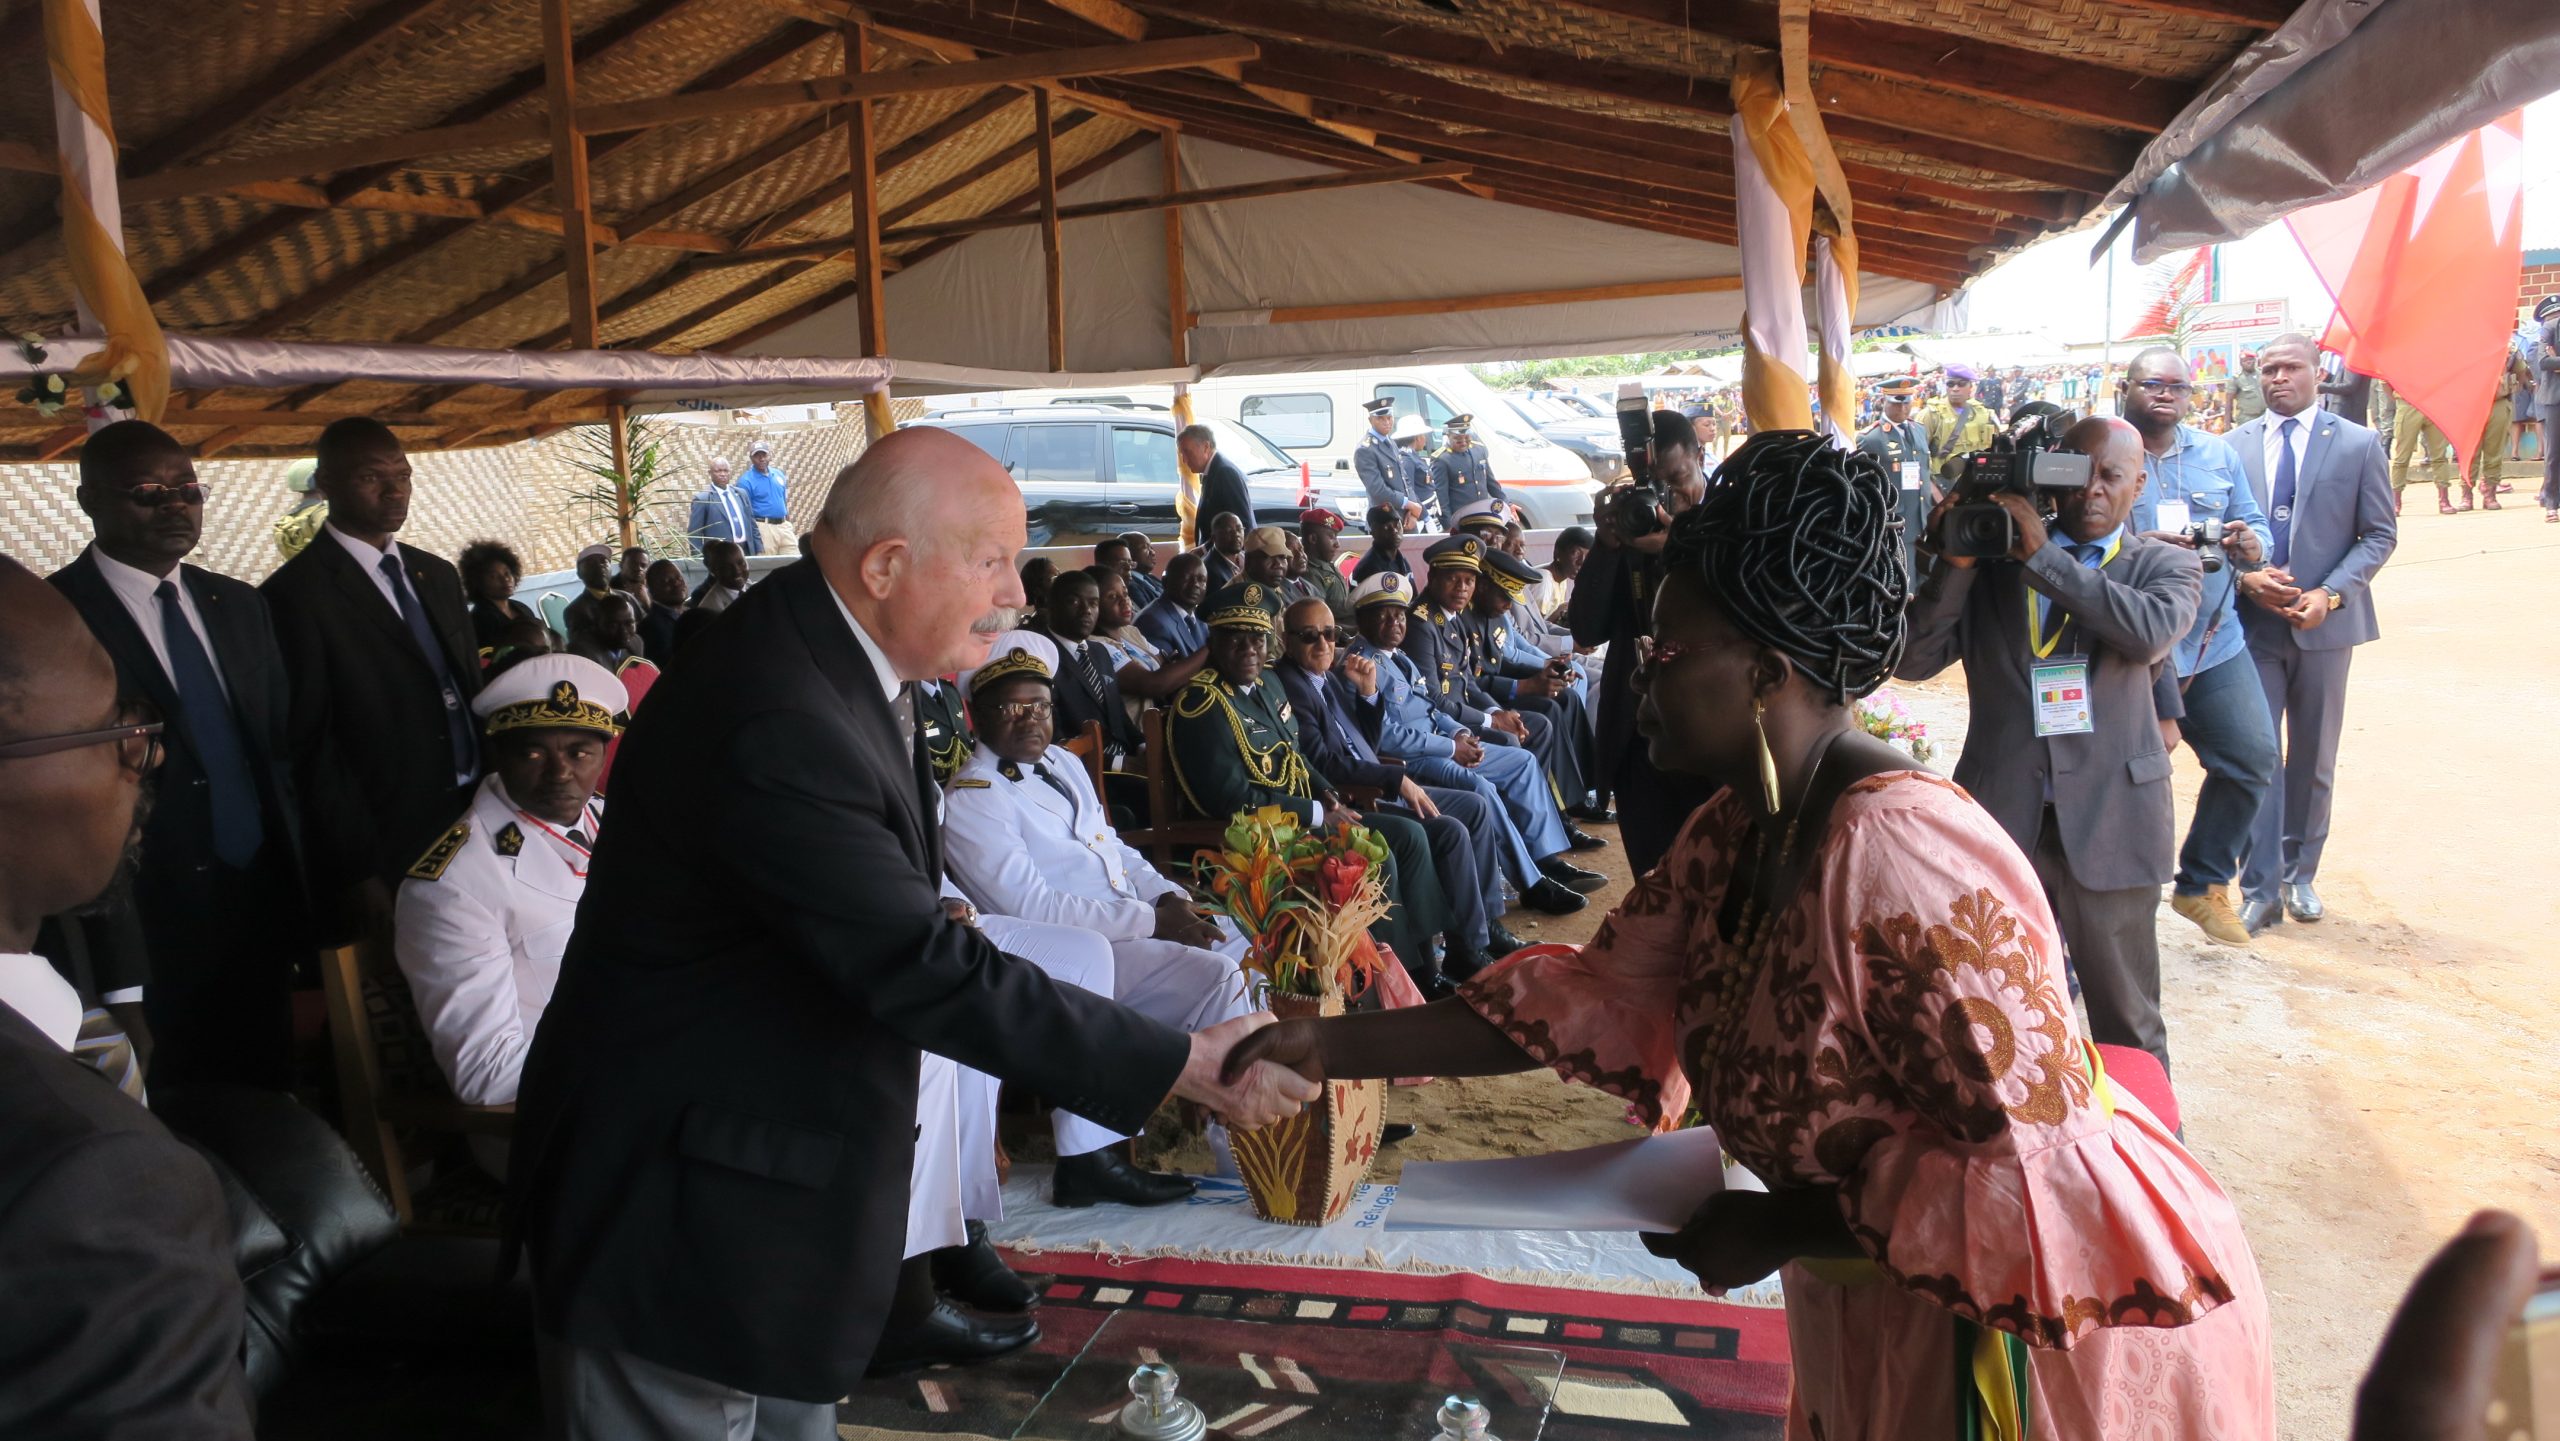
column 1260, row 1093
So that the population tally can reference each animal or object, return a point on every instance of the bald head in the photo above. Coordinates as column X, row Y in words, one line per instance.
column 2115, row 453
column 66, row 816
column 918, row 537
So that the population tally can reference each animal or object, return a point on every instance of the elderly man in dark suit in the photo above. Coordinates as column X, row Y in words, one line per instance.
column 122, row 1314
column 716, row 1123
column 2061, row 643
column 379, row 651
column 218, row 886
column 1223, row 490
column 2326, row 487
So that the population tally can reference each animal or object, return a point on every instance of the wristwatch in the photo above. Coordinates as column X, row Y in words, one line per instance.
column 2337, row 600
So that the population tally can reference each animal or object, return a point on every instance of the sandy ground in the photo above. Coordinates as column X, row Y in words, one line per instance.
column 2360, row 1086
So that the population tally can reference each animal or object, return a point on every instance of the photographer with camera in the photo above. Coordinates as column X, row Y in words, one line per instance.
column 2062, row 617
column 1612, row 604
column 2198, row 497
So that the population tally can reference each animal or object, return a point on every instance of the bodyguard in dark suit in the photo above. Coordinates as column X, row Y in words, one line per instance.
column 1222, row 487
column 2087, row 801
column 120, row 1313
column 379, row 652
column 217, row 887
column 2326, row 489
column 716, row 1125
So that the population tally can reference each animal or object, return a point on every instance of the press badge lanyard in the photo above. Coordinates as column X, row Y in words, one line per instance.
column 2035, row 617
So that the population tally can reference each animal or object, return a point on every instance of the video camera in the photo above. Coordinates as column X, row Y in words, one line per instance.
column 2026, row 460
column 1635, row 506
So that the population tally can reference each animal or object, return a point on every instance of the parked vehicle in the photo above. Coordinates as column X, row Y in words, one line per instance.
column 1091, row 471
column 1594, row 441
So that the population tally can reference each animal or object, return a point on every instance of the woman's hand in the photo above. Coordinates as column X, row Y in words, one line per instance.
column 1738, row 1237
column 1294, row 1044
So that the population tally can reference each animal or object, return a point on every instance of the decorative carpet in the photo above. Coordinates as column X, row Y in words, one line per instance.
column 1333, row 1350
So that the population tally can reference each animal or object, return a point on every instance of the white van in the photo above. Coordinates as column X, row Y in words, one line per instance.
column 1317, row 416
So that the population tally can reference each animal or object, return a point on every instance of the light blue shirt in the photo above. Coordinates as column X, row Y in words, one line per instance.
column 763, row 490
column 2203, row 470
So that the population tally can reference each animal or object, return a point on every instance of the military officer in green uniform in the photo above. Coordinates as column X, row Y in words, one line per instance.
column 1234, row 748
column 945, row 732
column 1956, row 424
column 1901, row 445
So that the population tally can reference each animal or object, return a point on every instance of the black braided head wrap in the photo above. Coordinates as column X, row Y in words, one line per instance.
column 1800, row 543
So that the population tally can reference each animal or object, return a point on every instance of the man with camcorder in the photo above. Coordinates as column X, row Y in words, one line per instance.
column 2062, row 617
column 2198, row 497
column 1612, row 604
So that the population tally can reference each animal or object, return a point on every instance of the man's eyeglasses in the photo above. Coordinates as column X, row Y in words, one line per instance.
column 152, row 497
column 1317, row 635
column 1023, row 710
column 2164, row 387
column 1652, row 655
column 136, row 735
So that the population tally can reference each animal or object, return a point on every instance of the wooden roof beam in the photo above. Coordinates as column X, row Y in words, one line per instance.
column 2039, row 80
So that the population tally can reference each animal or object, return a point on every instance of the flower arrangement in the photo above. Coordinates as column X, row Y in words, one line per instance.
column 1884, row 716
column 1303, row 898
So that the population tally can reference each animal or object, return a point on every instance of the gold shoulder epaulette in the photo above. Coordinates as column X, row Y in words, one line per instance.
column 972, row 783
column 431, row 866
column 1195, row 699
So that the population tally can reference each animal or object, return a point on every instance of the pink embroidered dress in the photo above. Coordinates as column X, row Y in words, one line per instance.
column 1908, row 1038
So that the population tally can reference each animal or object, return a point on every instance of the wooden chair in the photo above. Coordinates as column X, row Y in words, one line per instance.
column 1168, row 840
column 388, row 1082
column 1087, row 747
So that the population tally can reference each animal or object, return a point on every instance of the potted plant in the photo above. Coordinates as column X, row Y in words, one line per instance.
column 1304, row 900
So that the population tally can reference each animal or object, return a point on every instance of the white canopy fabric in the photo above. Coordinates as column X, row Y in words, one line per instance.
column 979, row 305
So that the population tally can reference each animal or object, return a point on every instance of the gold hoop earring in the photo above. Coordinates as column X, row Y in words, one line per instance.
column 1768, row 762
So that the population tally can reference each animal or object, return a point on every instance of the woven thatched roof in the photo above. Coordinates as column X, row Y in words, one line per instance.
column 1968, row 127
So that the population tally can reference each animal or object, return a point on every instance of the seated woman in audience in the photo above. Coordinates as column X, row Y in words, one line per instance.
column 1145, row 673
column 490, row 572
column 1849, row 971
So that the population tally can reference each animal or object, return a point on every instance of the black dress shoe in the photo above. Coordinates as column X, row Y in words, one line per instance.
column 1394, row 1131
column 1436, row 987
column 1556, row 868
column 974, row 1275
column 1461, row 963
column 1597, row 815
column 1499, row 941
column 2303, row 903
column 1552, row 898
column 1106, row 1175
column 1583, row 840
column 2259, row 915
column 949, row 1336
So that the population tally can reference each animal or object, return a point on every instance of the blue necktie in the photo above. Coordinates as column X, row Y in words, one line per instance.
column 2090, row 555
column 213, row 734
column 2282, row 520
column 457, row 726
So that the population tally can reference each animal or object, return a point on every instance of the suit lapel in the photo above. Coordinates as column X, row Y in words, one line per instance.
column 2324, row 434
column 236, row 650
column 2250, row 442
column 849, row 672
column 116, row 630
column 365, row 597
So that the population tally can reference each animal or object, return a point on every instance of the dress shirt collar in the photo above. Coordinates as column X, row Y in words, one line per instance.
column 136, row 588
column 880, row 667
column 30, row 986
column 2083, row 548
column 365, row 553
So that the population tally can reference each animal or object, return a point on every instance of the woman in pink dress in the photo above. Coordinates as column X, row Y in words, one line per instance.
column 1848, row 969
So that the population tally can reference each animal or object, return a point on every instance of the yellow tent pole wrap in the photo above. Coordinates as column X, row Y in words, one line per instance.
column 877, row 419
column 1773, row 211
column 110, row 296
column 1835, row 293
column 1186, row 496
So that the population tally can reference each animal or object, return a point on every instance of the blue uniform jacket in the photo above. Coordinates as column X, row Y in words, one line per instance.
column 1409, row 725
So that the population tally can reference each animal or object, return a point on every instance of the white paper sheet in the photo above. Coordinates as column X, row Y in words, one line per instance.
column 1651, row 1183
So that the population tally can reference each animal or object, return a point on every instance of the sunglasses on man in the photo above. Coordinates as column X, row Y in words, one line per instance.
column 1317, row 635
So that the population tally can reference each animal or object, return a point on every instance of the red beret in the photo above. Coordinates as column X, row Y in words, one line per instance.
column 1318, row 515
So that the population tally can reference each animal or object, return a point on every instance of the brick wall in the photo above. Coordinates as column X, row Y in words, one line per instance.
column 523, row 494
column 2539, row 281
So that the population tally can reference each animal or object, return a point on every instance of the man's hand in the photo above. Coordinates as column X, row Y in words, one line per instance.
column 1733, row 1239
column 2432, row 1378
column 1652, row 544
column 1541, row 684
column 2272, row 587
column 1294, row 1046
column 1260, row 1092
column 1416, row 797
column 1412, row 513
column 1469, row 750
column 1362, row 672
column 1510, row 723
column 2169, row 733
column 2240, row 542
column 2022, row 514
column 1930, row 534
column 1179, row 922
column 2308, row 612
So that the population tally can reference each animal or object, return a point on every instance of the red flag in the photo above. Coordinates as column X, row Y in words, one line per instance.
column 2189, row 286
column 2423, row 269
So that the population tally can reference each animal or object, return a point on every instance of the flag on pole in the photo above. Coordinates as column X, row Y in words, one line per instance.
column 107, row 295
column 1773, row 211
column 2423, row 270
column 2189, row 285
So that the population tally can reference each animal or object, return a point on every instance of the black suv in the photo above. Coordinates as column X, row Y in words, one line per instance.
column 1088, row 472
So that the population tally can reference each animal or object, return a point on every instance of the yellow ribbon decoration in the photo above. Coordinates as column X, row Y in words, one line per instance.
column 136, row 354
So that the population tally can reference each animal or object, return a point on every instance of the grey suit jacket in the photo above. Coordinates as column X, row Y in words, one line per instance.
column 2546, row 368
column 2344, row 527
column 2111, row 786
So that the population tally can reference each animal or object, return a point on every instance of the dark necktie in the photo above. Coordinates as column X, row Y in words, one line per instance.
column 2281, row 521
column 214, row 735
column 1059, row 786
column 904, row 708
column 457, row 725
